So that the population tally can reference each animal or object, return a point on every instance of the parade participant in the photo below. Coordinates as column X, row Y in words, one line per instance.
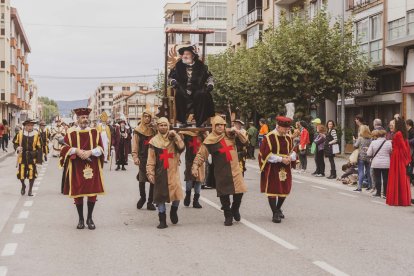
column 194, row 85
column 275, row 160
column 241, row 144
column 163, row 170
column 28, row 147
column 192, row 140
column 57, row 133
column 120, row 142
column 105, row 133
column 44, row 139
column 83, row 150
column 140, row 145
column 252, row 134
column 221, row 143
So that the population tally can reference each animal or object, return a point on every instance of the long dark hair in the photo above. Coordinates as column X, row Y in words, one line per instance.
column 327, row 124
column 400, row 126
column 5, row 122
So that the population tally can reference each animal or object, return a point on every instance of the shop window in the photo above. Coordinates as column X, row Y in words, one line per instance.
column 391, row 82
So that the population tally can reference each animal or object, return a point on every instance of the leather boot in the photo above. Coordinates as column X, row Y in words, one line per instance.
column 118, row 168
column 174, row 215
column 163, row 221
column 142, row 195
column 235, row 207
column 89, row 221
column 23, row 190
column 228, row 215
column 196, row 203
column 31, row 182
column 150, row 204
column 187, row 198
column 333, row 174
column 81, row 223
column 276, row 215
column 123, row 168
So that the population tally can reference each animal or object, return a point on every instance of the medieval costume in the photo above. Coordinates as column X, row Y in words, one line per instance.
column 121, row 143
column 27, row 144
column 66, row 162
column 143, row 133
column 194, row 84
column 57, row 133
column 105, row 133
column 241, row 146
column 227, row 173
column 84, row 176
column 163, row 172
column 398, row 188
column 276, row 176
column 192, row 141
column 44, row 140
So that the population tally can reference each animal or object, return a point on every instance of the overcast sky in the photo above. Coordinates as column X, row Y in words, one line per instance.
column 90, row 51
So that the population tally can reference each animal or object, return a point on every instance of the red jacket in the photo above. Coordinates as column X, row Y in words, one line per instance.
column 304, row 139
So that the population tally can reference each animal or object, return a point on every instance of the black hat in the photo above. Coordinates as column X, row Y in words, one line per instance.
column 191, row 49
column 29, row 122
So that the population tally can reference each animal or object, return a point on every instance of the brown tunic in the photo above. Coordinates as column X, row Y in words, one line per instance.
column 163, row 165
column 140, row 146
column 227, row 172
column 192, row 145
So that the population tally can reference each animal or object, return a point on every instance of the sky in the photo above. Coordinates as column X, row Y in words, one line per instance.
column 135, row 47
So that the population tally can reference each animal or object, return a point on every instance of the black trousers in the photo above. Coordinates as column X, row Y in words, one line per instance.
column 200, row 103
column 332, row 161
column 303, row 159
column 378, row 173
column 320, row 162
column 250, row 151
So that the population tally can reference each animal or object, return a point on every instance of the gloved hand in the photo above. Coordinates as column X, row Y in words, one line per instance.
column 210, row 88
column 173, row 83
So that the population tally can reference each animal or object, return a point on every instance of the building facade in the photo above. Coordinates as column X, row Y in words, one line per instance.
column 385, row 31
column 103, row 98
column 211, row 15
column 34, row 111
column 177, row 16
column 14, row 67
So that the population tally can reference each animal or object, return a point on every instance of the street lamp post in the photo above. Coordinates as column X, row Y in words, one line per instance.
column 343, row 88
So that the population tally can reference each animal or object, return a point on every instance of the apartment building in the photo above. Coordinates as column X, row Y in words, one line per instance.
column 103, row 98
column 133, row 104
column 14, row 67
column 211, row 15
column 177, row 16
column 385, row 30
column 33, row 111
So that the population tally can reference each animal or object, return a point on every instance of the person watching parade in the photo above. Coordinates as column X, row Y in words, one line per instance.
column 83, row 150
column 221, row 144
column 143, row 133
column 163, row 170
column 29, row 153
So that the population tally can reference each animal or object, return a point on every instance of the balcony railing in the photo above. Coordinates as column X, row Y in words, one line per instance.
column 250, row 18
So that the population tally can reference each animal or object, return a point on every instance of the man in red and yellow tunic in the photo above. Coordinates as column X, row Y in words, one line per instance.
column 275, row 160
column 83, row 152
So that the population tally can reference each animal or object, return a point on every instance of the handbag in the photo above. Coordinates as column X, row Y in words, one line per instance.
column 353, row 158
column 335, row 149
column 313, row 148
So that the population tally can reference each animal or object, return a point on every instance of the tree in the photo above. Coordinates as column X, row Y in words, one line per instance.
column 298, row 61
column 159, row 84
column 49, row 109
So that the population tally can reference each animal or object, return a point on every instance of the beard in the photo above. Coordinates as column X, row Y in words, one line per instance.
column 188, row 61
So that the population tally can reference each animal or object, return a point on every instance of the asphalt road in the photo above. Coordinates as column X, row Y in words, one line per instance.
column 328, row 230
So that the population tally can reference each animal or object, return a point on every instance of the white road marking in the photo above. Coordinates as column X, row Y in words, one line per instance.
column 24, row 214
column 300, row 182
column 328, row 268
column 18, row 228
column 317, row 187
column 3, row 271
column 28, row 203
column 256, row 228
column 378, row 202
column 346, row 194
column 35, row 188
column 9, row 249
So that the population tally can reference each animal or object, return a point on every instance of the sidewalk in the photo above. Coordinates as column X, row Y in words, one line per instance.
column 4, row 154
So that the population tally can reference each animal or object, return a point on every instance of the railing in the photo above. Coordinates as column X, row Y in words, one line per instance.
column 250, row 18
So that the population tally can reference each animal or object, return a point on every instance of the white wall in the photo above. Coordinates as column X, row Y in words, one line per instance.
column 397, row 9
column 409, row 73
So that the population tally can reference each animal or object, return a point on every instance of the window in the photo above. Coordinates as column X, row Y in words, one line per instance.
column 3, row 64
column 253, row 36
column 391, row 82
column 209, row 11
column 396, row 28
column 3, row 31
column 410, row 22
column 369, row 35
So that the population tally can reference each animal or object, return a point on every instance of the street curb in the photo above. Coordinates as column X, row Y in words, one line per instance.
column 2, row 158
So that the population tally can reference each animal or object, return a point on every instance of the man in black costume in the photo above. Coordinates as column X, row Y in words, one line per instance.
column 194, row 85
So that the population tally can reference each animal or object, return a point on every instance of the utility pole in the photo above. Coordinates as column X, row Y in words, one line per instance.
column 343, row 88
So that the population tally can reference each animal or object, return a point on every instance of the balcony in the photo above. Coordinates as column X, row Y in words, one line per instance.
column 13, row 42
column 26, row 67
column 13, row 98
column 252, row 17
column 13, row 69
column 285, row 2
column 19, row 77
